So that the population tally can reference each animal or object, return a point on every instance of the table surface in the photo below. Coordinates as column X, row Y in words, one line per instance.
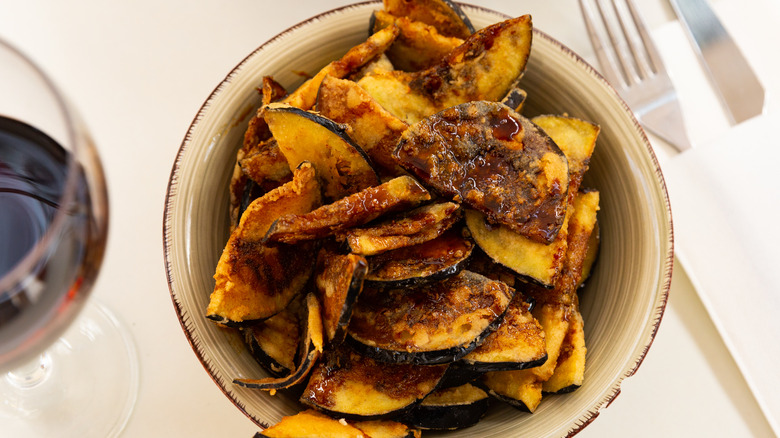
column 138, row 72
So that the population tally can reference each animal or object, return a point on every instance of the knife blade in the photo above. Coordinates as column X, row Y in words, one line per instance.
column 737, row 86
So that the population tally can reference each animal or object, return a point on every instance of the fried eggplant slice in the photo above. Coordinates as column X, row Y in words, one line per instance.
column 583, row 225
column 310, row 349
column 445, row 15
column 518, row 342
column 266, row 166
column 520, row 389
column 569, row 372
column 243, row 188
column 484, row 67
column 539, row 263
column 349, row 385
column 274, row 342
column 314, row 424
column 495, row 161
column 576, row 138
column 428, row 261
column 415, row 227
column 450, row 409
column 255, row 281
column 523, row 388
column 354, row 210
column 339, row 280
column 556, row 311
column 373, row 128
column 305, row 96
column 310, row 423
column 342, row 166
column 431, row 323
column 419, row 45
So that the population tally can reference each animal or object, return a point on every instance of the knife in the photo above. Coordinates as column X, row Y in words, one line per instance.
column 740, row 91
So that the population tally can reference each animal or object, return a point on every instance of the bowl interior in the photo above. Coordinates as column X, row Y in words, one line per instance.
column 622, row 303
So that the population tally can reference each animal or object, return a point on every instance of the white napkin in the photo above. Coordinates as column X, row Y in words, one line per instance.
column 726, row 210
column 725, row 197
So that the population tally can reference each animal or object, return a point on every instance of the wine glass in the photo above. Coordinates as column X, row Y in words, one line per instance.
column 67, row 367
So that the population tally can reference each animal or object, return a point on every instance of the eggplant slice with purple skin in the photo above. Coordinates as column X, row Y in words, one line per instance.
column 445, row 15
column 517, row 343
column 538, row 262
column 432, row 260
column 515, row 99
column 485, row 67
column 419, row 45
column 411, row 228
column 339, row 280
column 348, row 212
column 570, row 371
column 348, row 385
column 254, row 281
column 310, row 350
column 495, row 161
column 372, row 127
column 274, row 342
column 343, row 168
column 430, row 323
column 450, row 409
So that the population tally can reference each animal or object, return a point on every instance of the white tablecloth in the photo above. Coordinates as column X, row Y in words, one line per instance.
column 139, row 70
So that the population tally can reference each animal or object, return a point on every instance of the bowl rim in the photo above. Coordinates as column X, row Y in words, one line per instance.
column 667, row 264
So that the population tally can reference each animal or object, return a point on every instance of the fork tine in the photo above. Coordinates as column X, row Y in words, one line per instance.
column 653, row 58
column 640, row 69
column 608, row 68
column 626, row 67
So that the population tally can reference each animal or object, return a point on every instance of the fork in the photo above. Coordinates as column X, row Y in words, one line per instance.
column 630, row 62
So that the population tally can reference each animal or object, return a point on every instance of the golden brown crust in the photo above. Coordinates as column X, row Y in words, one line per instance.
column 350, row 211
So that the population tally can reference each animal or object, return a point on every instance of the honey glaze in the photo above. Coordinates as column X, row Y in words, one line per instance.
column 504, row 127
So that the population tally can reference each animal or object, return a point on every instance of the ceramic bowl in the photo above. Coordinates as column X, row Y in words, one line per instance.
column 622, row 303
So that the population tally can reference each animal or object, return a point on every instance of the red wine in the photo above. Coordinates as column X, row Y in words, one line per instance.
column 37, row 306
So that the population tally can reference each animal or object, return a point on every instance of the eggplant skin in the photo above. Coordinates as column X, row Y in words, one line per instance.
column 310, row 350
column 450, row 409
column 342, row 166
column 495, row 161
column 339, row 280
column 274, row 342
column 435, row 259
